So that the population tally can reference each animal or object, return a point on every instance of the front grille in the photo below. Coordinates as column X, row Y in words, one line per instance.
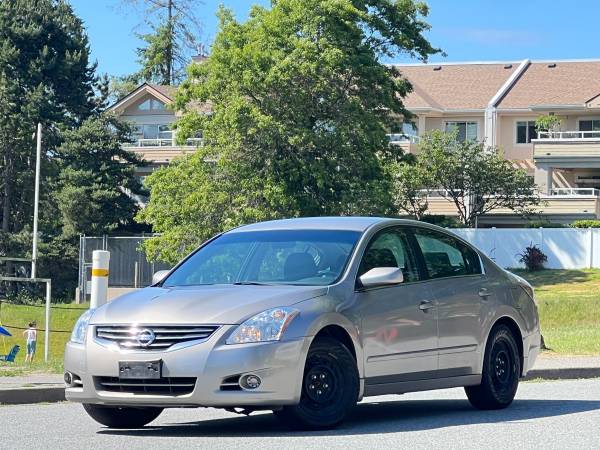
column 164, row 335
column 155, row 386
column 231, row 384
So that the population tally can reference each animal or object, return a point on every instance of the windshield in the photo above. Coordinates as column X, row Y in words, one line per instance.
column 299, row 257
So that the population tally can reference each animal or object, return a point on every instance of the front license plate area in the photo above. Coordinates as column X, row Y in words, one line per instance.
column 139, row 370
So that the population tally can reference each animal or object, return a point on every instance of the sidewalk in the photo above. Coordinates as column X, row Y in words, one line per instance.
column 51, row 388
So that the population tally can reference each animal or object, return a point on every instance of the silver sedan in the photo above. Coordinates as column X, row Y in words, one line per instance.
column 305, row 317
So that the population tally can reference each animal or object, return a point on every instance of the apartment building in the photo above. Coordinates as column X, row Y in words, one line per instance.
column 146, row 108
column 498, row 102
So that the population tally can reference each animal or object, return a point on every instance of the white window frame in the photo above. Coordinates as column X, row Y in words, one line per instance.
column 516, row 134
column 465, row 121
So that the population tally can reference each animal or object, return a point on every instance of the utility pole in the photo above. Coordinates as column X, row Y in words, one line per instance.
column 38, row 158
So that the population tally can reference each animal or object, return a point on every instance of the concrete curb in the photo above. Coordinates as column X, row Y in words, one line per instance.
column 570, row 373
column 24, row 395
column 50, row 394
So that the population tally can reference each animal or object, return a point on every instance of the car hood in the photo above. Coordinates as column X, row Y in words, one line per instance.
column 215, row 304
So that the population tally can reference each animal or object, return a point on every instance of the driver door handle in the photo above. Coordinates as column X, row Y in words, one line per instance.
column 425, row 305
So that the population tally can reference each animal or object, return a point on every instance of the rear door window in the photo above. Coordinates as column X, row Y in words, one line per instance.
column 446, row 256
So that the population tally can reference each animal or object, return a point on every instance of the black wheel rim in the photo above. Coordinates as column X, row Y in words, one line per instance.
column 322, row 385
column 502, row 366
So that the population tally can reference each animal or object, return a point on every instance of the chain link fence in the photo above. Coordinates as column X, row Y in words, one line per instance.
column 129, row 267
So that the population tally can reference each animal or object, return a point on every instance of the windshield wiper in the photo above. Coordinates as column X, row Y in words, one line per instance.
column 249, row 283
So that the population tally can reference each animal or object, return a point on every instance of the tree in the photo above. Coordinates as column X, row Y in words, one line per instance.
column 97, row 170
column 301, row 100
column 409, row 189
column 174, row 32
column 476, row 178
column 45, row 76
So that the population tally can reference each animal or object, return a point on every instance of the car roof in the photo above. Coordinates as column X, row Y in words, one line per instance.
column 348, row 223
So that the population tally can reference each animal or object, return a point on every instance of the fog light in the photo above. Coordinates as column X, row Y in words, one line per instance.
column 68, row 377
column 250, row 381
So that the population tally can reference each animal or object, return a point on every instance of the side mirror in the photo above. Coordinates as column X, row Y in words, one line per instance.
column 382, row 276
column 159, row 276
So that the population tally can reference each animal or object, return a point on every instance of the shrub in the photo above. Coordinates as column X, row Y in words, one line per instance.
column 586, row 224
column 543, row 224
column 533, row 258
column 442, row 221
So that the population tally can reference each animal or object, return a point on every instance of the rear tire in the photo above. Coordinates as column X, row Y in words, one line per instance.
column 330, row 387
column 122, row 417
column 501, row 371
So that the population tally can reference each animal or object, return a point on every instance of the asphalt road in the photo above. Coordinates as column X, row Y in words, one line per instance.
column 546, row 415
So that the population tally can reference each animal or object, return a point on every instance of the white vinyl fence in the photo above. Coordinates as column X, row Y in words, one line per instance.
column 566, row 248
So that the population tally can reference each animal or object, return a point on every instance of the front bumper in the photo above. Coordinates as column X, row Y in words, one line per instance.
column 280, row 366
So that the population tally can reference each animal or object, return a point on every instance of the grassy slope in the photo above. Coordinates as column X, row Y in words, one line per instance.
column 18, row 315
column 569, row 307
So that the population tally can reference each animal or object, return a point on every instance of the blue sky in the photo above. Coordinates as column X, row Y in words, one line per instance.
column 467, row 30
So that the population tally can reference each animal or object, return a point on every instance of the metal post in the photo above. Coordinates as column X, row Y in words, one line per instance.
column 38, row 158
column 48, row 298
column 100, row 262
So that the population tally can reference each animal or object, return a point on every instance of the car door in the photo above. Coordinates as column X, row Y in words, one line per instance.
column 460, row 290
column 398, row 325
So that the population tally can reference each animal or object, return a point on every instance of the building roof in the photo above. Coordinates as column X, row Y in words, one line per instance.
column 560, row 83
column 167, row 91
column 454, row 86
column 569, row 84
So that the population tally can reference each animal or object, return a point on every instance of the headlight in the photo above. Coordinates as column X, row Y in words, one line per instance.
column 267, row 326
column 81, row 326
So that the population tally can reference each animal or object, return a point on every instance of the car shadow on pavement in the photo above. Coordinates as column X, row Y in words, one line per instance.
column 372, row 418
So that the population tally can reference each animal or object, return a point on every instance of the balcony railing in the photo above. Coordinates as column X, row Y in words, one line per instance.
column 555, row 192
column 568, row 135
column 398, row 138
column 168, row 142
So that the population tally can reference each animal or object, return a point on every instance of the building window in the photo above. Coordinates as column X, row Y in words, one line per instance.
column 152, row 131
column 526, row 131
column 151, row 104
column 466, row 131
column 589, row 125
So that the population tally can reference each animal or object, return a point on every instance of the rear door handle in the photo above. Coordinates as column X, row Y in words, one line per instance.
column 425, row 305
column 484, row 293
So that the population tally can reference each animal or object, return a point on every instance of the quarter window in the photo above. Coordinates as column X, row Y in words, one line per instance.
column 390, row 248
column 446, row 256
column 466, row 131
column 526, row 131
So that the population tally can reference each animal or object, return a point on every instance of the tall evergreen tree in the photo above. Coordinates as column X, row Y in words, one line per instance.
column 172, row 39
column 45, row 76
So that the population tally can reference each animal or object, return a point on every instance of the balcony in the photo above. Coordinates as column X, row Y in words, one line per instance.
column 568, row 149
column 409, row 143
column 161, row 150
column 562, row 204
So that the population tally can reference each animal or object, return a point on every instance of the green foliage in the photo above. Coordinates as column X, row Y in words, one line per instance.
column 301, row 104
column 589, row 223
column 93, row 188
column 173, row 34
column 476, row 178
column 548, row 123
column 543, row 224
column 441, row 220
column 533, row 258
column 410, row 182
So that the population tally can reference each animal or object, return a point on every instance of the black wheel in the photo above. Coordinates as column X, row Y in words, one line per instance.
column 121, row 417
column 329, row 387
column 501, row 369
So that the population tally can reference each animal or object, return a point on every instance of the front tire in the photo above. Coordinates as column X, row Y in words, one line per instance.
column 330, row 387
column 122, row 417
column 501, row 370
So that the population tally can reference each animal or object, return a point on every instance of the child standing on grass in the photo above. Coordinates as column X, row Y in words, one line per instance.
column 31, row 335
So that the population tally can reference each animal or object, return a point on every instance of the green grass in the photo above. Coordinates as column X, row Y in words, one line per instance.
column 569, row 308
column 568, row 301
column 19, row 316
